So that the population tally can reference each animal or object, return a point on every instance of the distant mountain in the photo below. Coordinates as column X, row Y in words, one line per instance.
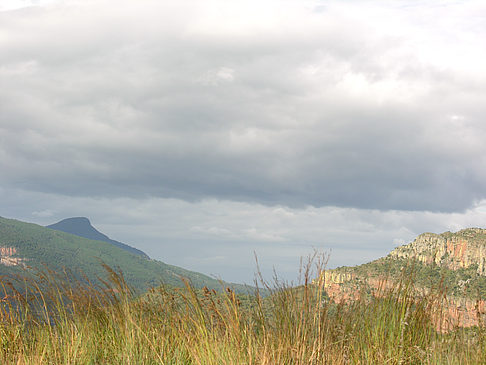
column 81, row 226
column 25, row 247
column 454, row 260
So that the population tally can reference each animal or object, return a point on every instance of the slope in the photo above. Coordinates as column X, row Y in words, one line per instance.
column 27, row 246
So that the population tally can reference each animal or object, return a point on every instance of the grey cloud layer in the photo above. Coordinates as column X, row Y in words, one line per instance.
column 302, row 106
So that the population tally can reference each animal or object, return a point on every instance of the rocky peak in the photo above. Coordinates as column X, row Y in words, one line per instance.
column 81, row 226
column 457, row 250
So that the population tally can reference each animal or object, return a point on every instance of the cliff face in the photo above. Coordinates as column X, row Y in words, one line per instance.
column 465, row 249
column 7, row 251
column 452, row 250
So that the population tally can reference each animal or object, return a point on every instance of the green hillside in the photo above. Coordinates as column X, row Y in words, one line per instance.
column 26, row 246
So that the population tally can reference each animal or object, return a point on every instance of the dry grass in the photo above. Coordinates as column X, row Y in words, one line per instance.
column 54, row 321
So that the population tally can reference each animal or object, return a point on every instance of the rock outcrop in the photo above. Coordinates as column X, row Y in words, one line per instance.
column 452, row 250
column 7, row 257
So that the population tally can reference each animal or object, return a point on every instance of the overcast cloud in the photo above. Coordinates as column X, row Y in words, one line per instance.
column 222, row 127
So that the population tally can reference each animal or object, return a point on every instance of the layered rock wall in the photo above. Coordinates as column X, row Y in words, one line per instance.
column 454, row 251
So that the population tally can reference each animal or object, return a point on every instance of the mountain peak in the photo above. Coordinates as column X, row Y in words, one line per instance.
column 78, row 222
column 81, row 226
column 78, row 219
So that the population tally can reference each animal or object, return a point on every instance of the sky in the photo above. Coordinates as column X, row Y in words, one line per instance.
column 205, row 132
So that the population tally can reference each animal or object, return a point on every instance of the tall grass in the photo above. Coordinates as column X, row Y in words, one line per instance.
column 50, row 319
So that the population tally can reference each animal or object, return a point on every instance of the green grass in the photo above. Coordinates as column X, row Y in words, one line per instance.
column 56, row 321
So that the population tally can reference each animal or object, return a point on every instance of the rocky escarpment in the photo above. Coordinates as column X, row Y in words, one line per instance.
column 454, row 260
column 457, row 310
column 463, row 249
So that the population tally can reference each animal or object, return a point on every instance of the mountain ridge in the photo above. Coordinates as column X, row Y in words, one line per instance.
column 82, row 227
column 28, row 247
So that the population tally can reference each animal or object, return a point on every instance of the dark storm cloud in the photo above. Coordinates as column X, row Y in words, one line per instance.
column 295, row 108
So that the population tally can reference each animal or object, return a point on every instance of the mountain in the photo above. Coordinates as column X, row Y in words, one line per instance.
column 25, row 247
column 81, row 226
column 456, row 261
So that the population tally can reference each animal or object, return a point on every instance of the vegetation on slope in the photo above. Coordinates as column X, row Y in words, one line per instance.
column 41, row 247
